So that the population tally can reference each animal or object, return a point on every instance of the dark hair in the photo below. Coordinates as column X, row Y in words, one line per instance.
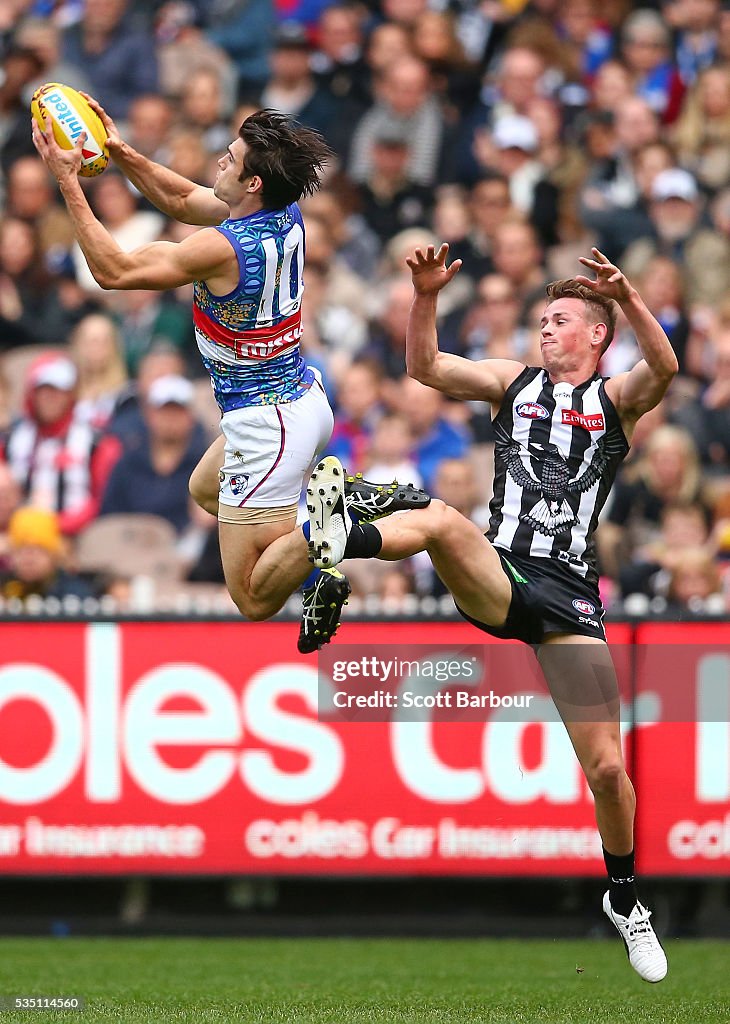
column 600, row 309
column 288, row 157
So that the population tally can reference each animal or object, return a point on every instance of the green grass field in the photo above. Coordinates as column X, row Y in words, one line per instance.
column 343, row 981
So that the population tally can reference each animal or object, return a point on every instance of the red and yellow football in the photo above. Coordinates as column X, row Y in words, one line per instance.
column 70, row 115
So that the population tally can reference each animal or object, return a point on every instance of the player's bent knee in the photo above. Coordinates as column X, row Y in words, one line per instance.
column 251, row 608
column 200, row 495
column 606, row 778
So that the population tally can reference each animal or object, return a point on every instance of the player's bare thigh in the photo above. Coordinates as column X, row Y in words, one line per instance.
column 581, row 676
column 462, row 556
column 204, row 480
column 242, row 545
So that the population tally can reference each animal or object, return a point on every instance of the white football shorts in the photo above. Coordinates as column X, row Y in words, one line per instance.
column 270, row 449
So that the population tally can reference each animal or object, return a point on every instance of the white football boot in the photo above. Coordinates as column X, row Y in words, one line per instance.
column 329, row 521
column 643, row 948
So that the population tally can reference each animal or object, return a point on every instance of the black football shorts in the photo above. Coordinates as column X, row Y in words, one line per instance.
column 546, row 598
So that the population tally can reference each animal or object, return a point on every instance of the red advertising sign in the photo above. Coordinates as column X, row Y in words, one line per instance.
column 197, row 748
column 682, row 770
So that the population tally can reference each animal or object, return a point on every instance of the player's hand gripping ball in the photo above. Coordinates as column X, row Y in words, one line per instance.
column 70, row 115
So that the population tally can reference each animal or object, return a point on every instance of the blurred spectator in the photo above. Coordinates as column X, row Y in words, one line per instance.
column 203, row 109
column 182, row 49
column 339, row 62
column 518, row 257
column 390, row 200
column 491, row 328
column 334, row 333
column 611, row 87
column 683, row 526
column 149, row 124
column 510, row 151
column 96, row 350
column 358, row 410
column 128, row 421
column 387, row 44
column 455, row 79
column 30, row 197
column 10, row 499
column 148, row 320
column 707, row 417
column 662, row 290
column 518, row 82
column 43, row 38
column 119, row 60
column 35, row 308
column 35, row 559
column 646, row 45
column 697, row 36
column 586, row 37
column 19, row 69
column 388, row 337
column 435, row 437
column 456, row 483
column 694, row 579
column 153, row 472
column 342, row 285
column 389, row 452
column 245, row 32
column 702, row 133
column 61, row 464
column 405, row 102
column 355, row 241
column 678, row 232
column 612, row 203
column 489, row 206
column 667, row 472
column 199, row 549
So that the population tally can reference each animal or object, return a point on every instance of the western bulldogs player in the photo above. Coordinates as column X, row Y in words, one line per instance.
column 247, row 267
column 561, row 433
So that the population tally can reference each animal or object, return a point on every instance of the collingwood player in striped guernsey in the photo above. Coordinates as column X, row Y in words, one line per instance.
column 561, row 432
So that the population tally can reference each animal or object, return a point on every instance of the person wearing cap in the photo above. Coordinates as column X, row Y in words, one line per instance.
column 35, row 559
column 678, row 231
column 61, row 463
column 514, row 148
column 152, row 474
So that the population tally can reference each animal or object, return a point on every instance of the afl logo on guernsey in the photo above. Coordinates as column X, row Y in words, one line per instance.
column 532, row 411
column 584, row 606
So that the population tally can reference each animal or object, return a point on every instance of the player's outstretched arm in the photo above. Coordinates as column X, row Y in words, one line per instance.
column 157, row 266
column 644, row 386
column 486, row 379
column 174, row 195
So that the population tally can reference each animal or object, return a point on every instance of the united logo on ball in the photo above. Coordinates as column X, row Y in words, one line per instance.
column 70, row 115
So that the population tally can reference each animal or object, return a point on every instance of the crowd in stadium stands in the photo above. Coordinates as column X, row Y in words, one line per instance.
column 520, row 133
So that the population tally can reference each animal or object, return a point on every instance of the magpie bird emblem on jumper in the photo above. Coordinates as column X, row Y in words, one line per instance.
column 552, row 514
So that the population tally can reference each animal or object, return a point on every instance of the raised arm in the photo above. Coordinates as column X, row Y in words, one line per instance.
column 643, row 387
column 205, row 255
column 485, row 379
column 174, row 195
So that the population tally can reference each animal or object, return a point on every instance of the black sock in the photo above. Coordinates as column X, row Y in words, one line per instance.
column 364, row 541
column 622, row 882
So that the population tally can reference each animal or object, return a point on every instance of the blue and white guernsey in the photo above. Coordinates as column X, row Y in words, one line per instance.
column 249, row 339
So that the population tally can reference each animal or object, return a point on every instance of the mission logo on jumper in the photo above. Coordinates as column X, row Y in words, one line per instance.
column 584, row 606
column 532, row 411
